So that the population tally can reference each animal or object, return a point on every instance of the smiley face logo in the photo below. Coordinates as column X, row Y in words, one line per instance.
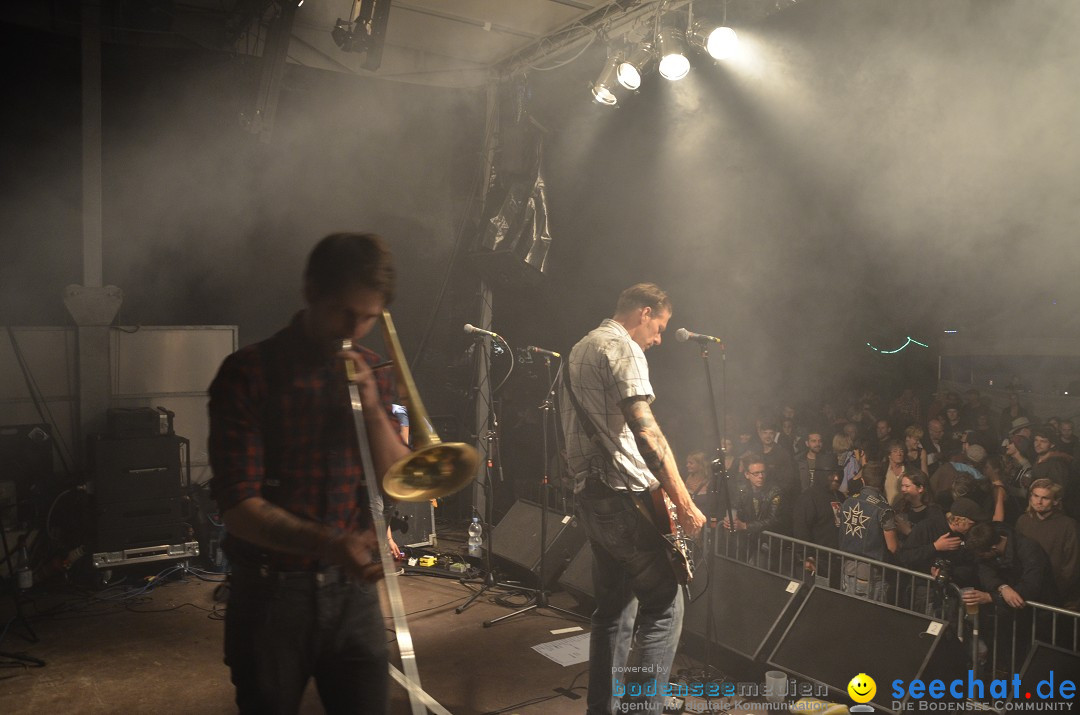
column 862, row 688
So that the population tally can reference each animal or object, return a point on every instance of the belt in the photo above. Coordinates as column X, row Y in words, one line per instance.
column 325, row 576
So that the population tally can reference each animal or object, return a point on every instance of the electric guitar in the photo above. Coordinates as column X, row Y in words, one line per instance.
column 659, row 511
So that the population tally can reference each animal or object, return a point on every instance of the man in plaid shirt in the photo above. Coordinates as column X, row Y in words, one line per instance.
column 287, row 477
column 615, row 446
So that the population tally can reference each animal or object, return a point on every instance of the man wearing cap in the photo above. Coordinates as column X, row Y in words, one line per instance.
column 940, row 537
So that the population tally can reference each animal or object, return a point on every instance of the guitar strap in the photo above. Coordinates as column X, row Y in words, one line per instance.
column 590, row 428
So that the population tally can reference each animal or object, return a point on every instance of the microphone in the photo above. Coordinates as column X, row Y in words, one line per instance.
column 472, row 329
column 682, row 335
column 541, row 351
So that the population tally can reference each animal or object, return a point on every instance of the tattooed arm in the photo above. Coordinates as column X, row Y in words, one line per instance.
column 268, row 525
column 658, row 457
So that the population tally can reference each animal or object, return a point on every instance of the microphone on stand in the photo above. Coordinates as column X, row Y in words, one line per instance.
column 541, row 351
column 473, row 330
column 682, row 335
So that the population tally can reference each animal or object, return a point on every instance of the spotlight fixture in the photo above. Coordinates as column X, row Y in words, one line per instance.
column 670, row 47
column 719, row 41
column 603, row 90
column 630, row 70
column 365, row 31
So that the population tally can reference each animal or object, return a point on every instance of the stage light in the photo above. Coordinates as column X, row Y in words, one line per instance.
column 671, row 48
column 631, row 69
column 603, row 90
column 719, row 41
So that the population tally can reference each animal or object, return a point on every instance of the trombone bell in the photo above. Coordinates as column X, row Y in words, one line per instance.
column 435, row 468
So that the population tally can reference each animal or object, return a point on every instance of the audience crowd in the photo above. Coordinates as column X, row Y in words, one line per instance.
column 986, row 499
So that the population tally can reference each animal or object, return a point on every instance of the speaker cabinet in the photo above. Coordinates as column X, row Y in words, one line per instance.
column 577, row 578
column 137, row 468
column 517, row 539
column 412, row 523
column 748, row 604
column 1047, row 664
column 834, row 637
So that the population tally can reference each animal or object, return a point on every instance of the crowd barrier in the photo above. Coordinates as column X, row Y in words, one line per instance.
column 997, row 640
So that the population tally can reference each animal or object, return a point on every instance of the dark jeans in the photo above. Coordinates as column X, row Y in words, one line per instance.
column 635, row 585
column 281, row 629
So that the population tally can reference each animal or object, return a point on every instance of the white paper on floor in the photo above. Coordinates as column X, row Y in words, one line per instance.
column 566, row 651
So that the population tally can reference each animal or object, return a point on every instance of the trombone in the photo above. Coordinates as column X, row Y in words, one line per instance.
column 434, row 468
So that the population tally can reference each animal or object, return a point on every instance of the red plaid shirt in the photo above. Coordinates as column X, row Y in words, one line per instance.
column 281, row 427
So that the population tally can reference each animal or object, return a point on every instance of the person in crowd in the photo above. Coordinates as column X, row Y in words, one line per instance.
column 1012, row 412
column 1012, row 568
column 905, row 409
column 789, row 437
column 615, row 446
column 1050, row 462
column 1067, row 440
column 782, row 471
column 867, row 529
column 954, row 429
column 287, row 476
column 985, row 435
column 850, row 459
column 1000, row 503
column 878, row 449
column 938, row 541
column 816, row 516
column 814, row 460
column 698, row 476
column 1020, row 435
column 915, row 457
column 914, row 503
column 968, row 460
column 971, row 408
column 934, row 445
column 894, row 469
column 1046, row 524
column 758, row 507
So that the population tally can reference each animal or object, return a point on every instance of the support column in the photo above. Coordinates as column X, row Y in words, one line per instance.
column 92, row 306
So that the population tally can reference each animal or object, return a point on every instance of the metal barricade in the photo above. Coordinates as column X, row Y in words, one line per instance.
column 838, row 570
column 1000, row 648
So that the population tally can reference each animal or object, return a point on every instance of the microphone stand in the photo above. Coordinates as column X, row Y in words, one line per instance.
column 492, row 436
column 547, row 409
column 718, row 473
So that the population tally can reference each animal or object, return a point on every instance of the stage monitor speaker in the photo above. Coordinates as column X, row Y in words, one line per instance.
column 748, row 604
column 517, row 539
column 577, row 578
column 26, row 462
column 835, row 636
column 1052, row 664
column 412, row 523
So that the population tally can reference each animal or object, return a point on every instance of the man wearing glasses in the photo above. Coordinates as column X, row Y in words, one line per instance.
column 757, row 509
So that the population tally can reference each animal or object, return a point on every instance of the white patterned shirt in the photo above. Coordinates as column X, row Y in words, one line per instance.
column 605, row 368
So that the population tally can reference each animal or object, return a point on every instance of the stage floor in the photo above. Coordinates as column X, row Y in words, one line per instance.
column 162, row 653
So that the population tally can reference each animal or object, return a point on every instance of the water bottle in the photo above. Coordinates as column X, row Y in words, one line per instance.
column 476, row 540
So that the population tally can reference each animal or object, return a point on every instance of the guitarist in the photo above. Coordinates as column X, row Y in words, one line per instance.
column 615, row 447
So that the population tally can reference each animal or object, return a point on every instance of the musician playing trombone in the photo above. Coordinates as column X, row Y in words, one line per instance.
column 616, row 451
column 287, row 476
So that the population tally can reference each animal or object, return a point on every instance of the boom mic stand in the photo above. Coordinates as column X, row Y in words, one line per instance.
column 491, row 434
column 547, row 409
column 718, row 474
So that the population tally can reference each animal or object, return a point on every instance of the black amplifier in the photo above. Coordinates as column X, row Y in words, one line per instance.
column 126, row 422
column 138, row 468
